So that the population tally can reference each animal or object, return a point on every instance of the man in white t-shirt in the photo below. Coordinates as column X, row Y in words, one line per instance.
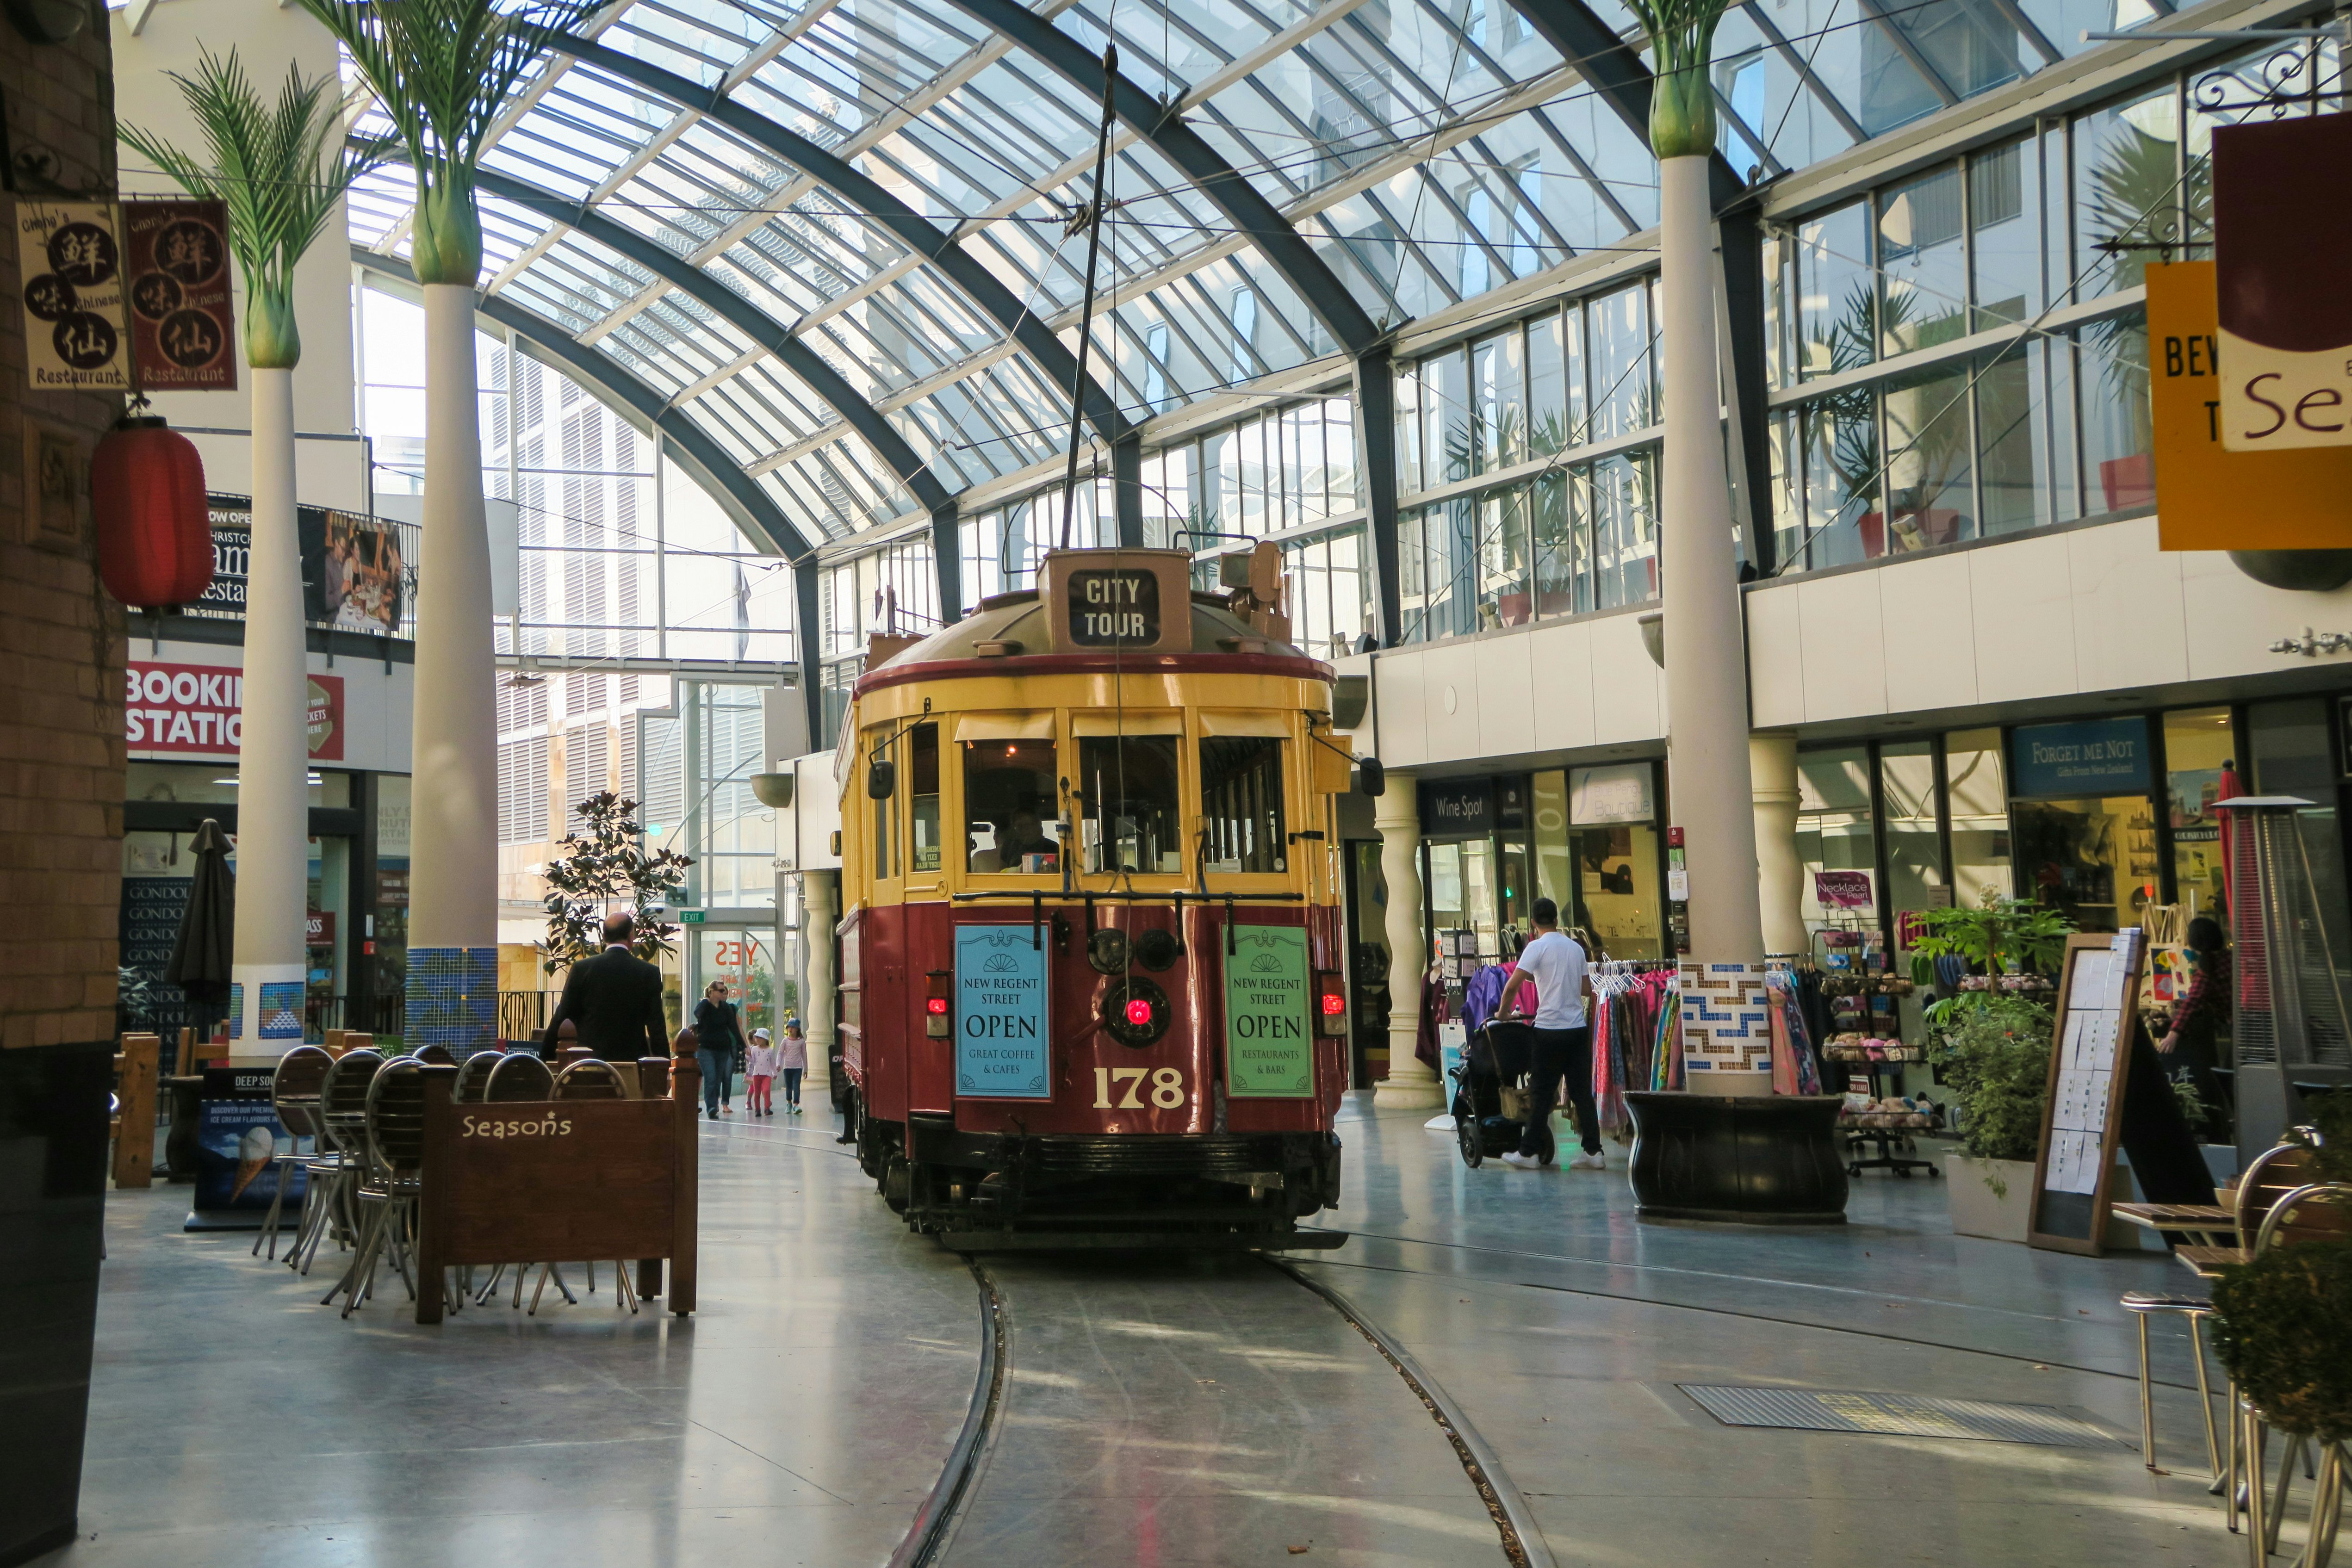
column 1553, row 966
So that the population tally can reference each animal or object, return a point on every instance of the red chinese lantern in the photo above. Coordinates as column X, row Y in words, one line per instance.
column 154, row 530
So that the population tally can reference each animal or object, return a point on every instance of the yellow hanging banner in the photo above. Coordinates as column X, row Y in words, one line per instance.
column 2207, row 497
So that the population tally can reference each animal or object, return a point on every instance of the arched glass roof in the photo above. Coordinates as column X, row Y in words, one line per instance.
column 1425, row 152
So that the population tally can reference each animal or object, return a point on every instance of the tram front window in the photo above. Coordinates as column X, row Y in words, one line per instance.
column 1241, row 803
column 1129, row 785
column 1009, row 796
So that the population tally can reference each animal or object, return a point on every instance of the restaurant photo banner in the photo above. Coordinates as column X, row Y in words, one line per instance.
column 352, row 573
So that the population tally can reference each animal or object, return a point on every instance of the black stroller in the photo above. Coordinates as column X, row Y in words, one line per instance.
column 1498, row 1054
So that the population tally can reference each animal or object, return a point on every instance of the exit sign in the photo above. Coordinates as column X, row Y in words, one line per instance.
column 692, row 916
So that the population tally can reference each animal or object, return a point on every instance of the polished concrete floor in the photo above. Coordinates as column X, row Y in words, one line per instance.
column 1160, row 1412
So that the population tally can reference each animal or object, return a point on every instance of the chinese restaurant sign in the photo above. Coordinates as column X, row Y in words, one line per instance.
column 71, row 263
column 128, row 296
column 1269, row 1053
column 177, row 267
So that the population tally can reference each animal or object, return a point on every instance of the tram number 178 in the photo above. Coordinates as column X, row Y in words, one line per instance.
column 1167, row 1089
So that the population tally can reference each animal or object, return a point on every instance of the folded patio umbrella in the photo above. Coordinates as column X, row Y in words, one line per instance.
column 201, row 953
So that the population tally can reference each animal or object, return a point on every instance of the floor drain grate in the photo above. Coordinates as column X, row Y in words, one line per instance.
column 1897, row 1415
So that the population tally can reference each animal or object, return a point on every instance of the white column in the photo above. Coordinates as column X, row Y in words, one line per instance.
column 453, row 831
column 273, row 797
column 1411, row 1084
column 1706, row 673
column 819, row 906
column 1779, row 870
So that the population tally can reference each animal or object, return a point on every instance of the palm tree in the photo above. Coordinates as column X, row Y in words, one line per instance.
column 278, row 171
column 442, row 72
column 1707, row 696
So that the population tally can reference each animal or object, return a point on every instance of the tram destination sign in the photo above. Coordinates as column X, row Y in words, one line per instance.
column 1133, row 601
column 1001, row 1011
column 1269, row 1049
column 1115, row 609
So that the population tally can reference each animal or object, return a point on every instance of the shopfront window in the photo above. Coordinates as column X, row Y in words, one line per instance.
column 1977, row 806
column 1462, row 890
column 1128, row 787
column 1833, row 839
column 2198, row 743
column 2086, row 826
column 1596, row 844
column 1009, row 795
column 1914, row 843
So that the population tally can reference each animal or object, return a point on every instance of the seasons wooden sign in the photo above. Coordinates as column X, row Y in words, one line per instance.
column 560, row 1181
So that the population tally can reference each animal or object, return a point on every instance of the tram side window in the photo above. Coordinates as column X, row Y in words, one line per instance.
column 1129, row 785
column 886, row 812
column 1010, row 793
column 1241, row 803
column 923, row 763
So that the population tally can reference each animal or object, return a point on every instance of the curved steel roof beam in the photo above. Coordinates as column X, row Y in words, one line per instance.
column 910, row 228
column 688, row 442
column 1616, row 72
column 827, row 383
column 1283, row 247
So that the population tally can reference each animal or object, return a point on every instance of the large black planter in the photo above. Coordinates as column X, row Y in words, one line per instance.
column 1770, row 1160
column 52, row 1207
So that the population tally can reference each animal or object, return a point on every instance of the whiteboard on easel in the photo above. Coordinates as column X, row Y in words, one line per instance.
column 2098, row 1008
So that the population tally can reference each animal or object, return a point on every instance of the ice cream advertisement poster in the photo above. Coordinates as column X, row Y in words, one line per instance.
column 238, row 1146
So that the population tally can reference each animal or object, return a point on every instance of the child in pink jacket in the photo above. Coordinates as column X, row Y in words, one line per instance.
column 760, row 1067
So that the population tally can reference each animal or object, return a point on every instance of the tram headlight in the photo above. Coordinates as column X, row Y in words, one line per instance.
column 1107, row 951
column 1134, row 1010
column 1156, row 949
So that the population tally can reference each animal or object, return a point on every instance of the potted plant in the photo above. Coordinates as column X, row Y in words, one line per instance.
column 1997, row 1059
column 603, row 867
column 2278, row 1327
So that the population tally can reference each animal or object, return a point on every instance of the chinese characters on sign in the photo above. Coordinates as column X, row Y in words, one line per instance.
column 72, row 297
column 180, row 318
column 120, row 296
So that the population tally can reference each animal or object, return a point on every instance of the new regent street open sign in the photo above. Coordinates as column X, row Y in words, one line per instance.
column 1269, row 1052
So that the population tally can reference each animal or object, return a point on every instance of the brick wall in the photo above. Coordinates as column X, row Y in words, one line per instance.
column 61, row 637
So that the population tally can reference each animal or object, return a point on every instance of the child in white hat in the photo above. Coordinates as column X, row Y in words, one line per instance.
column 760, row 1067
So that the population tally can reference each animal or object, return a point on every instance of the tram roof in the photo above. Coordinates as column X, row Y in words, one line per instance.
column 1010, row 633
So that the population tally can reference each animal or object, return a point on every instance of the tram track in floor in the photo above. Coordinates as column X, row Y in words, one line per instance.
column 1780, row 1319
column 930, row 1538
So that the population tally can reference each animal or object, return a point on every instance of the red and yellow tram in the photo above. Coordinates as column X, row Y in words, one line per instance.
column 1091, row 945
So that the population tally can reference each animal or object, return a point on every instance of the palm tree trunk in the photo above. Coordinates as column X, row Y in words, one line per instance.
column 273, row 749
column 454, row 847
column 1706, row 662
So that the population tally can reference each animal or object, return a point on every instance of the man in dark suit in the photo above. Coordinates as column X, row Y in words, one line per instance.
column 614, row 1000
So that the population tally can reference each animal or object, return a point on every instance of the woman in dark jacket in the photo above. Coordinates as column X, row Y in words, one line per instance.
column 720, row 1032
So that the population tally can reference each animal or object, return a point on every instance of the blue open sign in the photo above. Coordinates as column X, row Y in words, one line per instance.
column 1003, row 1014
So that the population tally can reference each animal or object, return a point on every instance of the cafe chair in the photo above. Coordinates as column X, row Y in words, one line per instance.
column 473, row 1077
column 294, row 1094
column 434, row 1056
column 2320, row 1211
column 590, row 1080
column 518, row 1078
column 335, row 1171
column 394, row 1143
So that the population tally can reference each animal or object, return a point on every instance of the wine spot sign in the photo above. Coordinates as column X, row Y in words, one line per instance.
column 126, row 296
